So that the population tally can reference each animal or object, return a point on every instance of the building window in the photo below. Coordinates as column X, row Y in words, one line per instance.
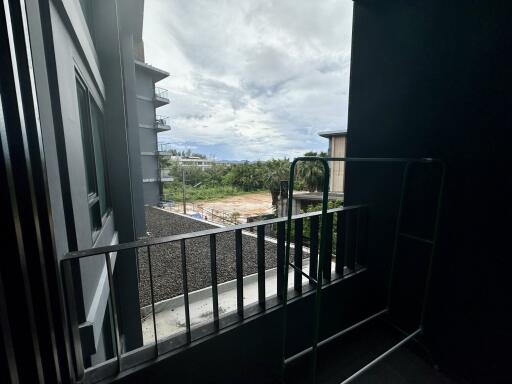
column 91, row 123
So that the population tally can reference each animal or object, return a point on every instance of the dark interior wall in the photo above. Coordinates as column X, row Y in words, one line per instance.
column 432, row 79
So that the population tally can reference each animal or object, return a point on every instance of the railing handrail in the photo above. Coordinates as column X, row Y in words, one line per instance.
column 161, row 92
column 168, row 239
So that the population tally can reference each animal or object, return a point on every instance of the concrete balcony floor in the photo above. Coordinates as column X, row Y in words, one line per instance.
column 341, row 358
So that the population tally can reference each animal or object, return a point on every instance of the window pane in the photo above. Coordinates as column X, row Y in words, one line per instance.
column 99, row 157
column 83, row 108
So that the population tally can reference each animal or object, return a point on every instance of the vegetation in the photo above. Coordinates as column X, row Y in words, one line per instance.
column 222, row 180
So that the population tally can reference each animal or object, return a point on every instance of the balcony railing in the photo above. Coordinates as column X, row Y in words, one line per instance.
column 161, row 122
column 161, row 93
column 345, row 251
column 343, row 243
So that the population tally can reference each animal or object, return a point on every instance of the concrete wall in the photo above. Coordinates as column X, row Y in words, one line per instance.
column 337, row 149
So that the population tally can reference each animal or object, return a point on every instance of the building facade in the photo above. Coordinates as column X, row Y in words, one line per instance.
column 85, row 87
column 337, row 147
column 149, row 98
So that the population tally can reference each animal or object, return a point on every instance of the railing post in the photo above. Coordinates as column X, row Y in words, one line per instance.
column 314, row 225
column 114, row 309
column 184, row 279
column 328, row 247
column 261, row 264
column 297, row 259
column 215, row 292
column 340, row 242
column 350, row 245
column 151, row 286
column 239, row 273
column 280, row 259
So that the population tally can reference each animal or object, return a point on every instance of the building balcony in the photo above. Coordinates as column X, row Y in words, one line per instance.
column 236, row 298
column 161, row 123
column 161, row 97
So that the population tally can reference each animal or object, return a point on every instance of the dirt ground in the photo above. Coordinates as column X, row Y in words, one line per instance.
column 252, row 204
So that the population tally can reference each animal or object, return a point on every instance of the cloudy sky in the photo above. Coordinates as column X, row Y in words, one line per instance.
column 251, row 79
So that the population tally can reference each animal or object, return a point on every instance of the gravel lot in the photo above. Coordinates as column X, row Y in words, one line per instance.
column 166, row 259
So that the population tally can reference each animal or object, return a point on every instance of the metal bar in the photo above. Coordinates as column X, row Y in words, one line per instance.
column 215, row 290
column 328, row 247
column 336, row 335
column 362, row 248
column 152, row 290
column 299, row 270
column 239, row 274
column 412, row 237
column 314, row 225
column 69, row 290
column 350, row 241
column 280, row 259
column 379, row 159
column 184, row 279
column 114, row 309
column 190, row 235
column 318, row 292
column 340, row 243
column 297, row 256
column 397, row 231
column 381, row 357
column 261, row 264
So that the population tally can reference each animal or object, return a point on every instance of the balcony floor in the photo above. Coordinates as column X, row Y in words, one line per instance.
column 343, row 357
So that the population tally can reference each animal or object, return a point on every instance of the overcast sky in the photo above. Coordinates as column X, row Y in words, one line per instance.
column 251, row 79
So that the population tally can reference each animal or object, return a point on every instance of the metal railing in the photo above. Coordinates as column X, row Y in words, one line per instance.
column 323, row 273
column 161, row 121
column 161, row 92
column 343, row 256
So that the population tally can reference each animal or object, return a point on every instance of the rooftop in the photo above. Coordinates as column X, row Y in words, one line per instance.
column 328, row 134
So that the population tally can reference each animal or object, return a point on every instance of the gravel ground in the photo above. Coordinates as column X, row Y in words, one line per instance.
column 166, row 258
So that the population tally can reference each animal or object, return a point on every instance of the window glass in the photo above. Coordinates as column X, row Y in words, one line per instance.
column 99, row 157
column 83, row 107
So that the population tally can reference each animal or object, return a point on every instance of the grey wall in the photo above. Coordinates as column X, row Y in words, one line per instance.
column 115, row 50
column 148, row 139
column 74, row 53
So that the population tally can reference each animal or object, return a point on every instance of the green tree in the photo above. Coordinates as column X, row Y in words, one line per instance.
column 275, row 172
column 311, row 173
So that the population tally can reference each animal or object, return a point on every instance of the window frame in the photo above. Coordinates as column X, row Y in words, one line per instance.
column 93, row 197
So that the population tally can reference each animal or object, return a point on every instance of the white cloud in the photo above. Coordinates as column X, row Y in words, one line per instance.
column 251, row 79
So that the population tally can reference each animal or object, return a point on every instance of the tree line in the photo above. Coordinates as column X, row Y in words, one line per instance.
column 246, row 176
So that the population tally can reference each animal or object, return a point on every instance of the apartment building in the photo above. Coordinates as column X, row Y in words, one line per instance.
column 149, row 98
column 84, row 83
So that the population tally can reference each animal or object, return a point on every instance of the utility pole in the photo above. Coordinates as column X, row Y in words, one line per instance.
column 184, row 199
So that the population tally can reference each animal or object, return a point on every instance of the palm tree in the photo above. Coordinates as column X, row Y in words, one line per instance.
column 277, row 170
column 312, row 172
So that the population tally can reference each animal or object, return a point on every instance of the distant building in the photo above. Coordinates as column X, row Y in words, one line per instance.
column 149, row 98
column 190, row 161
column 303, row 200
column 337, row 144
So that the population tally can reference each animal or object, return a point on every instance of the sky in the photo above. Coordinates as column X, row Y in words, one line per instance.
column 251, row 79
